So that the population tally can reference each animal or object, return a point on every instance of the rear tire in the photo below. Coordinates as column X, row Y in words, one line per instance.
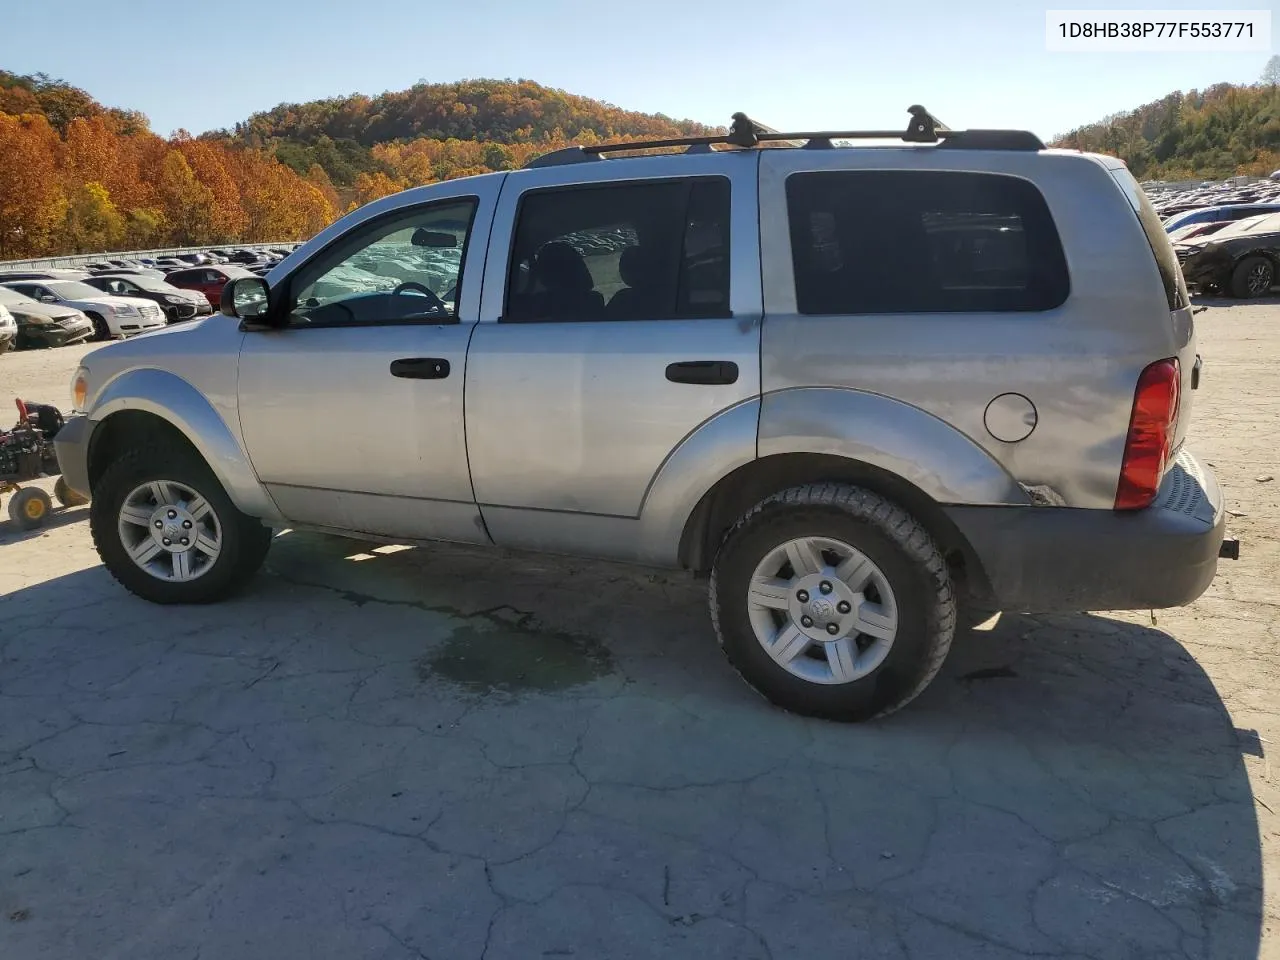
column 162, row 486
column 100, row 329
column 1252, row 277
column 883, row 572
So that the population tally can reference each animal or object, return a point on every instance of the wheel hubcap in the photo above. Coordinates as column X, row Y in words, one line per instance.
column 822, row 610
column 170, row 530
column 1260, row 279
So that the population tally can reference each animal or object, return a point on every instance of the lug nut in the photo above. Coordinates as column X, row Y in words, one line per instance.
column 168, row 542
column 825, row 586
column 832, row 629
column 186, row 524
column 843, row 606
column 172, row 514
column 159, row 524
column 185, row 541
column 806, row 621
column 803, row 596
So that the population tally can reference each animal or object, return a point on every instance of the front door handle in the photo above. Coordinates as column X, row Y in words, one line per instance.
column 420, row 368
column 703, row 372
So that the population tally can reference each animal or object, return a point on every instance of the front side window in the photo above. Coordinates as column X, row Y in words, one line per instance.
column 913, row 241
column 402, row 268
column 656, row 250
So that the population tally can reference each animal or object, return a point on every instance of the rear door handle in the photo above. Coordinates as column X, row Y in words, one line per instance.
column 420, row 368
column 703, row 372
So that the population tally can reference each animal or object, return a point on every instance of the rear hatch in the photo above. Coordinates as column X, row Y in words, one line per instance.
column 1180, row 319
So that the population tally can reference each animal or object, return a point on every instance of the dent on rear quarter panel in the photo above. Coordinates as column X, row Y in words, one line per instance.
column 888, row 434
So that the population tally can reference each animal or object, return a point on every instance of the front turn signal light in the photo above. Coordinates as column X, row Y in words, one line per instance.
column 79, row 392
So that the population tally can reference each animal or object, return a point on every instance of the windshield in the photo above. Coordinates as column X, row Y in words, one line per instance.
column 72, row 289
column 13, row 298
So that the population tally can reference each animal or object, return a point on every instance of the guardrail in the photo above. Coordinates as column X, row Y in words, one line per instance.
column 80, row 259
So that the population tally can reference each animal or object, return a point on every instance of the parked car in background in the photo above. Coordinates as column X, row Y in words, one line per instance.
column 170, row 263
column 1242, row 260
column 1226, row 212
column 8, row 330
column 7, row 276
column 112, row 316
column 44, row 324
column 207, row 280
column 130, row 271
column 177, row 304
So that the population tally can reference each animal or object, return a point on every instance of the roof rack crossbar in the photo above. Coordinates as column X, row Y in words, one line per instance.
column 745, row 133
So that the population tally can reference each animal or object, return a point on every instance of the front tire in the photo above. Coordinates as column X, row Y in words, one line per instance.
column 100, row 329
column 833, row 602
column 167, row 531
column 1252, row 277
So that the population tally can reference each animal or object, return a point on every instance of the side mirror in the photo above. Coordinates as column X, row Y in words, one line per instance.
column 247, row 298
column 422, row 237
column 48, row 298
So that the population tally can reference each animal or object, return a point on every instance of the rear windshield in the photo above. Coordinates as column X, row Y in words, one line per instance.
column 1175, row 290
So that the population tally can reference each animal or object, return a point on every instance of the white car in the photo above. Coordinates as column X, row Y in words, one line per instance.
column 8, row 330
column 112, row 316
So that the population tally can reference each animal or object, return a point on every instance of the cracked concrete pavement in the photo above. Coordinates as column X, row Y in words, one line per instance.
column 447, row 753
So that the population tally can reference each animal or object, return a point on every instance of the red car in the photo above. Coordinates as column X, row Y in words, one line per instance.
column 207, row 280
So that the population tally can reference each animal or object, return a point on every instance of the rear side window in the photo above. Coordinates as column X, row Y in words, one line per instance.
column 911, row 241
column 1175, row 289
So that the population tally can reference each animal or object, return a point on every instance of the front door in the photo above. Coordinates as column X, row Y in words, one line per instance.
column 352, row 414
column 623, row 316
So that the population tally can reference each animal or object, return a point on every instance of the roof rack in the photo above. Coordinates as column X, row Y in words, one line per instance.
column 745, row 133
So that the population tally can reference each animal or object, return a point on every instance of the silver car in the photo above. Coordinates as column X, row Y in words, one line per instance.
column 865, row 389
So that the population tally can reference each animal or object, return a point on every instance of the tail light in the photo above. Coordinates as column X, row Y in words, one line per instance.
column 1151, row 429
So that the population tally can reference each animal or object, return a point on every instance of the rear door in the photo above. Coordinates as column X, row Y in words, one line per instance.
column 621, row 313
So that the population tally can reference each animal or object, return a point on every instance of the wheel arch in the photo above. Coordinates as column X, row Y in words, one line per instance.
column 735, row 494
column 150, row 405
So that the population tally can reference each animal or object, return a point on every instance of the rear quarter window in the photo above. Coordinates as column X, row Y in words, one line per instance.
column 1175, row 289
column 915, row 241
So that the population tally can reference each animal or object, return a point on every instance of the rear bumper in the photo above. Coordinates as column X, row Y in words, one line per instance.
column 71, row 444
column 1060, row 559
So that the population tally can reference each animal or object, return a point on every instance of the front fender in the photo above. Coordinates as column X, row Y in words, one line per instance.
column 175, row 401
column 889, row 434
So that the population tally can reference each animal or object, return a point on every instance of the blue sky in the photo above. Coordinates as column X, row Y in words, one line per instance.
column 795, row 64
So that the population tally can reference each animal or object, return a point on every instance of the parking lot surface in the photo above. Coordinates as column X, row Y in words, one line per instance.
column 383, row 752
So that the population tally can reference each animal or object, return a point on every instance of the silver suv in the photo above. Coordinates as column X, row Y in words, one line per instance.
column 856, row 385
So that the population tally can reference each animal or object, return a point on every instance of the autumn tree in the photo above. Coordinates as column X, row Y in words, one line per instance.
column 372, row 186
column 31, row 201
column 92, row 221
column 318, row 178
column 208, row 161
column 187, row 203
